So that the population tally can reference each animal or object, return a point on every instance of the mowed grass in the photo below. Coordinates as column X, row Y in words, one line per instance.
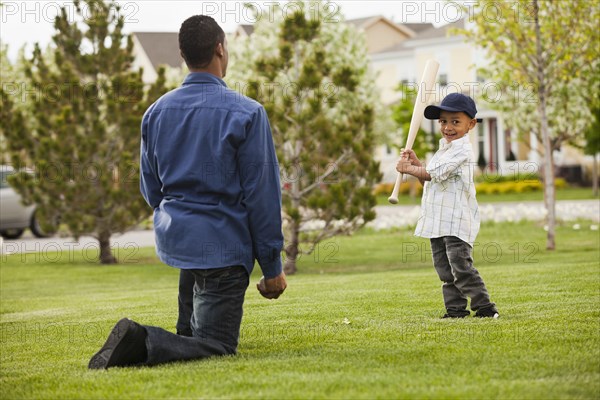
column 359, row 321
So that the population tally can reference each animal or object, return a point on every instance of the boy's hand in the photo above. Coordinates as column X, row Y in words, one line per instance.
column 404, row 166
column 408, row 159
column 410, row 155
column 410, row 164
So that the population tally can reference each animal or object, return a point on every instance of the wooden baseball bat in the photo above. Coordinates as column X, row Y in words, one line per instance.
column 425, row 89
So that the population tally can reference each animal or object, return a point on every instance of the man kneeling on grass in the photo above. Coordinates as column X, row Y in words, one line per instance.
column 209, row 171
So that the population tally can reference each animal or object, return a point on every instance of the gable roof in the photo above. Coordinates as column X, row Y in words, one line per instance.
column 367, row 22
column 418, row 27
column 247, row 29
column 425, row 33
column 440, row 32
column 161, row 48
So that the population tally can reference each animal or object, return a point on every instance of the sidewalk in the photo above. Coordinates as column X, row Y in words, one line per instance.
column 128, row 244
column 566, row 210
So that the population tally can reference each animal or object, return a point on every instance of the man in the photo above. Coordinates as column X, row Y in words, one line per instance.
column 209, row 171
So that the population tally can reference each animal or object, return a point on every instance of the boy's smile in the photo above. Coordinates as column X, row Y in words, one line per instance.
column 455, row 125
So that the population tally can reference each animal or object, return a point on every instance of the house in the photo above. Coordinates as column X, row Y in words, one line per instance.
column 398, row 54
column 153, row 49
column 403, row 63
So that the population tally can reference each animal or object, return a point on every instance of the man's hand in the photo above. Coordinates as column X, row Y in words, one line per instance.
column 272, row 288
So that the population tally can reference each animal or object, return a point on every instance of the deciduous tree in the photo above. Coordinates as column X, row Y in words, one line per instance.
column 543, row 55
column 310, row 71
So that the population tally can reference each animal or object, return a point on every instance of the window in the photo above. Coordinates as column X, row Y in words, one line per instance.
column 443, row 80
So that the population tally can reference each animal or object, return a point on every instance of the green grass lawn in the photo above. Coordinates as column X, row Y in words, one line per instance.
column 572, row 193
column 360, row 320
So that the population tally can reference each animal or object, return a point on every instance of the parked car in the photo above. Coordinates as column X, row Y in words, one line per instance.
column 14, row 216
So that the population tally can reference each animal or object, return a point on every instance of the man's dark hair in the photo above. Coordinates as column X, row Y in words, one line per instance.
column 198, row 39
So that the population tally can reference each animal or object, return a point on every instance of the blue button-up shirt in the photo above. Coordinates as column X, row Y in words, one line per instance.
column 210, row 172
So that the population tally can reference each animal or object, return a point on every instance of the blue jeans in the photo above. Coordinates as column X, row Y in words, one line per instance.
column 218, row 299
column 454, row 264
column 185, row 302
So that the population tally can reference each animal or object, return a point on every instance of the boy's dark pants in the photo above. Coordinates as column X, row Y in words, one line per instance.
column 454, row 264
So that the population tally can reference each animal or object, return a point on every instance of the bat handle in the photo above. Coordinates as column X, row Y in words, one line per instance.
column 393, row 199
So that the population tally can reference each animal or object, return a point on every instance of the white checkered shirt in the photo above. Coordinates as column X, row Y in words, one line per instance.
column 449, row 207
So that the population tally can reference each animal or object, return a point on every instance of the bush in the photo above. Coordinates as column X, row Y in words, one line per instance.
column 503, row 186
column 385, row 189
column 516, row 186
column 495, row 178
column 560, row 183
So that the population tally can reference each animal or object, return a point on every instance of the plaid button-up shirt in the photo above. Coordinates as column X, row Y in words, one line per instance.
column 449, row 206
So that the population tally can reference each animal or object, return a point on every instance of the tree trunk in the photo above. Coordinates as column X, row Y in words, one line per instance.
column 549, row 190
column 595, row 175
column 291, row 250
column 106, row 256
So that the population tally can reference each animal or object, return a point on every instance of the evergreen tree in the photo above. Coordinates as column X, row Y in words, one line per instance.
column 310, row 71
column 83, row 140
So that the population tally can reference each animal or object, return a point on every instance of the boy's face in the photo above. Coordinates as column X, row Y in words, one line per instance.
column 455, row 125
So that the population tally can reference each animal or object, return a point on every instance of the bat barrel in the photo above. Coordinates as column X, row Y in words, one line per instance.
column 425, row 89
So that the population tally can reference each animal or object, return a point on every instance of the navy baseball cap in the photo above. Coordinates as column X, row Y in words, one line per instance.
column 454, row 102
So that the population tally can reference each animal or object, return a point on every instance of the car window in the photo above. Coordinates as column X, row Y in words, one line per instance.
column 3, row 182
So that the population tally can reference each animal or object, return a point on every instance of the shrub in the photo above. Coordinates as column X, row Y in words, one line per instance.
column 515, row 187
column 503, row 186
column 495, row 178
column 385, row 189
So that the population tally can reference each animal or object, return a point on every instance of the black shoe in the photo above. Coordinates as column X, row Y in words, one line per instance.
column 454, row 316
column 490, row 312
column 186, row 332
column 126, row 345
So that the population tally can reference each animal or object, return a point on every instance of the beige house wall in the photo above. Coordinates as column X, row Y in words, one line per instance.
column 387, row 81
column 461, row 66
column 381, row 36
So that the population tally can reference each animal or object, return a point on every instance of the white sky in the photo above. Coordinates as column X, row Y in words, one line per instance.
column 27, row 22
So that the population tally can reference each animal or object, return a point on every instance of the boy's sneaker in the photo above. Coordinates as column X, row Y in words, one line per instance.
column 454, row 316
column 487, row 313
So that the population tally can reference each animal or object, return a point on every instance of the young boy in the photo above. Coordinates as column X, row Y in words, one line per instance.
column 449, row 211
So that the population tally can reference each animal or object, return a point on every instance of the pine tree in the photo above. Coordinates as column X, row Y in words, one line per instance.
column 311, row 74
column 82, row 141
